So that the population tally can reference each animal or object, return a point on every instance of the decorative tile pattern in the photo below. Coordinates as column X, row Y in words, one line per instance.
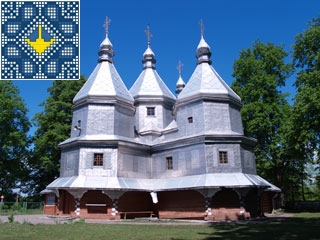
column 40, row 40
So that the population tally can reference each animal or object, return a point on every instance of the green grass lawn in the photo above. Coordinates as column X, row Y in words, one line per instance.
column 301, row 226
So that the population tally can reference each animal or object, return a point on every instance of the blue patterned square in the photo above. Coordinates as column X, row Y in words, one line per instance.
column 40, row 40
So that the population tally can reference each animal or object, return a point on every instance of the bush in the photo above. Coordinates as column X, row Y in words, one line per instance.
column 4, row 207
column 16, row 207
column 11, row 218
column 26, row 222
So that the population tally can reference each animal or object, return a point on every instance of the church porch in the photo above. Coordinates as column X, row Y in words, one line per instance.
column 178, row 204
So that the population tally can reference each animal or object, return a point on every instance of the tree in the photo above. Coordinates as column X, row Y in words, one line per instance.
column 14, row 141
column 54, row 125
column 306, row 108
column 259, row 73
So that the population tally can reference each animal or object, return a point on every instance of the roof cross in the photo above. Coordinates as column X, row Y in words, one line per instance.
column 107, row 24
column 148, row 33
column 201, row 27
column 179, row 67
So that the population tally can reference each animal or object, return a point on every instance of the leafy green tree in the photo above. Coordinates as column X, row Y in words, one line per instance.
column 306, row 57
column 259, row 73
column 317, row 186
column 306, row 108
column 14, row 141
column 54, row 124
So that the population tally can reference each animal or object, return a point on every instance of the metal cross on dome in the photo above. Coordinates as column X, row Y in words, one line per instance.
column 201, row 27
column 148, row 33
column 179, row 67
column 107, row 24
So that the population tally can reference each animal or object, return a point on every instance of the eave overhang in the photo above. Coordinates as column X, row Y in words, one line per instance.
column 202, row 181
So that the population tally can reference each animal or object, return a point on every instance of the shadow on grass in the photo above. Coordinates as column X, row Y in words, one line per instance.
column 285, row 228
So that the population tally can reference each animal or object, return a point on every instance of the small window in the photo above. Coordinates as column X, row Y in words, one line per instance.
column 190, row 119
column 98, row 159
column 169, row 163
column 150, row 111
column 223, row 157
column 50, row 199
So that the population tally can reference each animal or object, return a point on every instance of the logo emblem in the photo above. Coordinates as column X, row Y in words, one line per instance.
column 40, row 40
column 40, row 45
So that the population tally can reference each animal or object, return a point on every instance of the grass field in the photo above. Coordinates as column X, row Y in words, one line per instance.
column 301, row 226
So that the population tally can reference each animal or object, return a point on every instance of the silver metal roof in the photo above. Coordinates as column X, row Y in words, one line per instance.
column 99, row 137
column 104, row 81
column 149, row 83
column 206, row 80
column 148, row 52
column 203, row 43
column 106, row 42
column 180, row 82
column 171, row 126
column 214, row 180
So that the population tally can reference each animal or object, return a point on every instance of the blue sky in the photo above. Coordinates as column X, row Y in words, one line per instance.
column 230, row 26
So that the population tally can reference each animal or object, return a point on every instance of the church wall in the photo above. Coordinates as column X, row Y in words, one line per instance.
column 134, row 163
column 187, row 204
column 124, row 123
column 133, row 201
column 268, row 201
column 79, row 114
column 184, row 113
column 236, row 120
column 216, row 117
column 69, row 162
column 167, row 116
column 208, row 117
column 226, row 204
column 248, row 160
column 102, row 209
column 66, row 202
column 100, row 120
column 251, row 202
column 189, row 160
column 145, row 122
column 137, row 117
column 109, row 168
column 225, row 198
column 103, row 119
column 213, row 162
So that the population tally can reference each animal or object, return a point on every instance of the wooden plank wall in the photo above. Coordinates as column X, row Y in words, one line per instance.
column 266, row 201
column 134, row 202
column 181, row 204
column 67, row 203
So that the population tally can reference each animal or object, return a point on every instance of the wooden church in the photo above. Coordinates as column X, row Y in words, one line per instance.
column 145, row 152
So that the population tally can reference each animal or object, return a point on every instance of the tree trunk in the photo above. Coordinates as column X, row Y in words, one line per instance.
column 302, row 189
